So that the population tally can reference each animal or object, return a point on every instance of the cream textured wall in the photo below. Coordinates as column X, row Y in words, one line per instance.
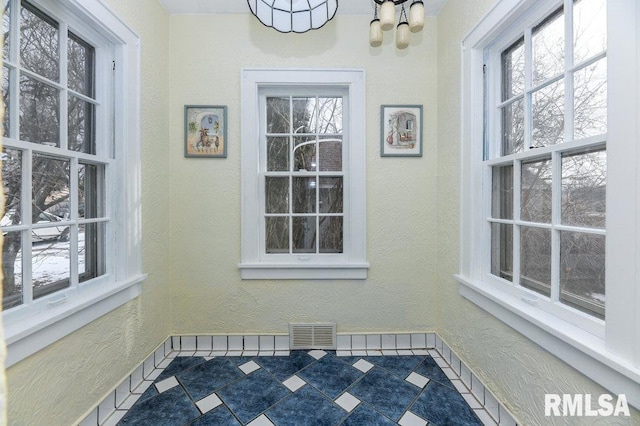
column 516, row 370
column 208, row 53
column 59, row 384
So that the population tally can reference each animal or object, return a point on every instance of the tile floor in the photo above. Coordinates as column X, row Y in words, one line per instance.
column 307, row 388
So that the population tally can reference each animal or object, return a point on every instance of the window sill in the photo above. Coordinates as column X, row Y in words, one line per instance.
column 578, row 348
column 260, row 271
column 28, row 336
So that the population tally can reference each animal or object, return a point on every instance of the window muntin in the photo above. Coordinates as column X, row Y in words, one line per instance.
column 547, row 154
column 303, row 173
column 50, row 153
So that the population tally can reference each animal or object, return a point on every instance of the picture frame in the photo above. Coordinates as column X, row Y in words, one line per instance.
column 401, row 130
column 205, row 131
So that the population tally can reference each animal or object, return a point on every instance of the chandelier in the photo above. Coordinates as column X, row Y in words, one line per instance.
column 413, row 23
column 296, row 16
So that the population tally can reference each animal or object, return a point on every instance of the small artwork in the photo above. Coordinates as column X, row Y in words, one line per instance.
column 205, row 132
column 401, row 131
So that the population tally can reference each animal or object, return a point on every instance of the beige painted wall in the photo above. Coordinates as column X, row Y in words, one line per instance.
column 208, row 53
column 518, row 371
column 61, row 383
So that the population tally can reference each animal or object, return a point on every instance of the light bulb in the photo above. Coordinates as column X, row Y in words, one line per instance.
column 416, row 16
column 402, row 35
column 375, row 33
column 387, row 15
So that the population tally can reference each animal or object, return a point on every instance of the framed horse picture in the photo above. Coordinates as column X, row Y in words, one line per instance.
column 205, row 131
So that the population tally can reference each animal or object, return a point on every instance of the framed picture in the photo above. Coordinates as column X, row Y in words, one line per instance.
column 205, row 131
column 401, row 130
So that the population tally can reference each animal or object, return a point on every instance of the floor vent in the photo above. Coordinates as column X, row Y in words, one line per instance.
column 312, row 336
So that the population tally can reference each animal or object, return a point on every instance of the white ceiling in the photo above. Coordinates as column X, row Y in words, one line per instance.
column 345, row 7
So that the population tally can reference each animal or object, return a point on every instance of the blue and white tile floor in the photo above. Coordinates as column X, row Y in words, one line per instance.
column 306, row 388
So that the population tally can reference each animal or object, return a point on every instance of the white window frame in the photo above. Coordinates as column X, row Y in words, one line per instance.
column 28, row 329
column 609, row 352
column 352, row 263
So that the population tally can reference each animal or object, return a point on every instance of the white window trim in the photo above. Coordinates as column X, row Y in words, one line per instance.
column 612, row 358
column 354, row 264
column 61, row 314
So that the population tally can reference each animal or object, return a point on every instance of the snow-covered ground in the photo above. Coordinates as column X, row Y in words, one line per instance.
column 51, row 261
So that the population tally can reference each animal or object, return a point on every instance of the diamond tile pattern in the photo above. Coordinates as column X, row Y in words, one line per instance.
column 330, row 375
column 385, row 396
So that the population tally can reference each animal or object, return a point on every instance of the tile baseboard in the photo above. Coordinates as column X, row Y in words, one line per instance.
column 486, row 406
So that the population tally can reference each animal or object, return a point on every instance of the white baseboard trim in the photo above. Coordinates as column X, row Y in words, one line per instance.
column 115, row 405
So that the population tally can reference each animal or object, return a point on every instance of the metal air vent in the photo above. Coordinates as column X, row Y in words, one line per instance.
column 312, row 336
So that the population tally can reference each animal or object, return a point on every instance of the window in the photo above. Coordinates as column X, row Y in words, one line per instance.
column 303, row 173
column 62, row 144
column 304, row 214
column 546, row 114
column 52, row 221
column 548, row 210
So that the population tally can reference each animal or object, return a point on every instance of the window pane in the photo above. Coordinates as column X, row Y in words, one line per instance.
column 589, row 28
column 304, row 115
column 50, row 233
column 12, row 183
column 277, row 235
column 548, row 48
column 50, row 182
column 548, row 115
column 12, row 245
column 90, row 254
column 89, row 191
column 513, row 127
column 6, row 27
column 330, row 234
column 277, row 194
column 39, row 49
column 278, row 115
column 582, row 271
column 330, row 195
column 6, row 129
column 81, row 129
column 513, row 70
column 330, row 151
column 535, row 191
column 330, row 115
column 535, row 259
column 502, row 250
column 590, row 102
column 12, row 270
column 304, row 153
column 39, row 112
column 304, row 234
column 50, row 262
column 277, row 154
column 80, row 65
column 584, row 189
column 502, row 193
column 304, row 195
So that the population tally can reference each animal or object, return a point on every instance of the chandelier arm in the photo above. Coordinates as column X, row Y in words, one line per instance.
column 403, row 13
column 396, row 2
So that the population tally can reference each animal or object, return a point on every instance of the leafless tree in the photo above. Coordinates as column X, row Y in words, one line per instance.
column 583, row 173
column 39, row 115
